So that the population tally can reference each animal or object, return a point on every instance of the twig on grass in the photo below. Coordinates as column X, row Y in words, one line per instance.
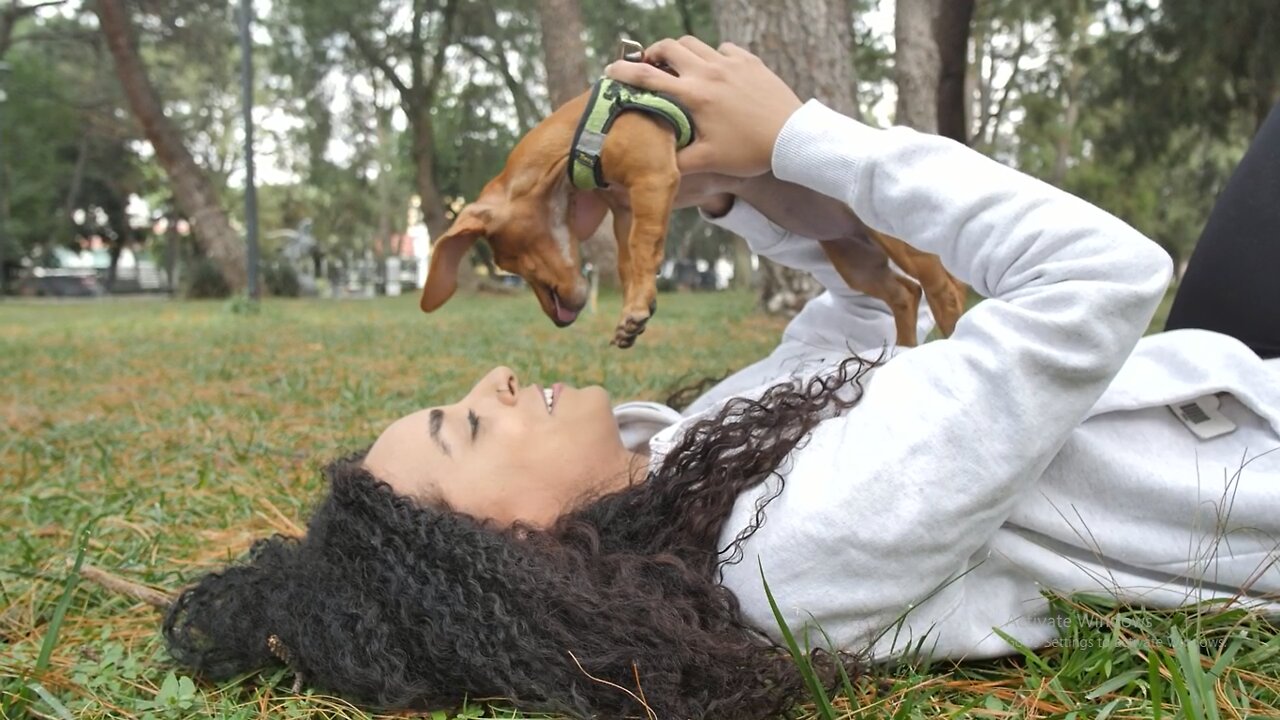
column 116, row 584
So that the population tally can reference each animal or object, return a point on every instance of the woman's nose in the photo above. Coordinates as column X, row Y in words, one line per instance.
column 505, row 384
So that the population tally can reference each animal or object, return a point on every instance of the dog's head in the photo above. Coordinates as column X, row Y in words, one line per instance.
column 534, row 225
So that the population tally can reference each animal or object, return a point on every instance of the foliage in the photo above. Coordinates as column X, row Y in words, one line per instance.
column 1085, row 101
column 191, row 52
column 77, row 166
column 280, row 279
column 38, row 175
column 1184, row 63
column 203, row 281
column 1142, row 107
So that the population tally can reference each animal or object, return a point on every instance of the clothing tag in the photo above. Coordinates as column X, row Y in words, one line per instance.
column 1203, row 418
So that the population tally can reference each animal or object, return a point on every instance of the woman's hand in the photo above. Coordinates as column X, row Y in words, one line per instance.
column 739, row 106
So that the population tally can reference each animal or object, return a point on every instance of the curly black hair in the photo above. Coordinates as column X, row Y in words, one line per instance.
column 613, row 611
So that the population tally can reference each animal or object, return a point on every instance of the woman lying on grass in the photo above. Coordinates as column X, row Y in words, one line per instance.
column 533, row 544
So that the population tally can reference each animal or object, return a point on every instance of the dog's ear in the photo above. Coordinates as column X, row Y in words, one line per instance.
column 447, row 255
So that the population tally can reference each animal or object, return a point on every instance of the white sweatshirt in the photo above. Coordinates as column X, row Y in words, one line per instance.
column 1033, row 450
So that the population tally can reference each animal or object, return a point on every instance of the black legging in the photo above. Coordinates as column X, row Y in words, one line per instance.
column 1232, row 284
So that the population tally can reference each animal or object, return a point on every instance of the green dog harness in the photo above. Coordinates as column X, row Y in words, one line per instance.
column 608, row 100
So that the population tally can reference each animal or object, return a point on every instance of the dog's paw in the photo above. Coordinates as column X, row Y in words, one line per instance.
column 629, row 328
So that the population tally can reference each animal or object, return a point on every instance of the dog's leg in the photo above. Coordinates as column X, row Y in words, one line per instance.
column 651, row 202
column 621, row 231
column 942, row 291
column 869, row 272
column 640, row 164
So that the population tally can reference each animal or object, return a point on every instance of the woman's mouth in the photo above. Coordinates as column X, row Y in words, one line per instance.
column 550, row 395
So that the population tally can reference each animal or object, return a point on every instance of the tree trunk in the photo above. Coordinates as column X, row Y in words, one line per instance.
column 917, row 66
column 191, row 189
column 952, row 34
column 73, row 187
column 1073, row 76
column 564, row 50
column 844, row 31
column 432, row 201
column 118, row 221
column 806, row 42
column 423, row 153
column 565, row 56
column 386, row 160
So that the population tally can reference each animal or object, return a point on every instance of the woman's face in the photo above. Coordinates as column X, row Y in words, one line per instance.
column 503, row 453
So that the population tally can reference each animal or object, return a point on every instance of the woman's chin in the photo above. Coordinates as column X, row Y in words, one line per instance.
column 589, row 402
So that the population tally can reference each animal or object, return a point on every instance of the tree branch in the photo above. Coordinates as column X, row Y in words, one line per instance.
column 519, row 97
column 518, row 90
column 686, row 17
column 374, row 58
column 1007, row 90
column 437, row 61
column 10, row 16
column 24, row 9
column 982, row 46
column 63, row 35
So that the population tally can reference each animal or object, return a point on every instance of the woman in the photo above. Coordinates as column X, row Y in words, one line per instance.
column 531, row 544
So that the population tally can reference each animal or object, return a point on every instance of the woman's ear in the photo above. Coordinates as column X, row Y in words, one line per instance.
column 447, row 255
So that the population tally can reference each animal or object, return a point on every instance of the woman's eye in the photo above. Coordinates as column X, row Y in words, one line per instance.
column 474, row 421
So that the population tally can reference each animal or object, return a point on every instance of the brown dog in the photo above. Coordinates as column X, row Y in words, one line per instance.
column 534, row 219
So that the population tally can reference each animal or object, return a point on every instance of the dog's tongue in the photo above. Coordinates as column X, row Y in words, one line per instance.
column 563, row 314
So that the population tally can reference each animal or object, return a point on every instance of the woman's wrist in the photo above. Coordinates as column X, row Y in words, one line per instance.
column 717, row 207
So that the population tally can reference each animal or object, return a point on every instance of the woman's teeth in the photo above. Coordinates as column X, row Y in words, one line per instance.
column 549, row 397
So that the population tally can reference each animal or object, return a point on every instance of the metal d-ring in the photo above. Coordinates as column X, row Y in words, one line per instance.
column 630, row 50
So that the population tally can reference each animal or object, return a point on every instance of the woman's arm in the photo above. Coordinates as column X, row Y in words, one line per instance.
column 903, row 490
column 889, row 502
column 825, row 331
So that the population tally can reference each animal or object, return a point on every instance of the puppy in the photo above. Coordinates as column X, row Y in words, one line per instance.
column 534, row 216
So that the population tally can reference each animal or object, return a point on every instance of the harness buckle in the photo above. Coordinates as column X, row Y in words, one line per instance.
column 590, row 143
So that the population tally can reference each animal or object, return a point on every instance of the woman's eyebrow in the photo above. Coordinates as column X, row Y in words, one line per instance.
column 436, row 418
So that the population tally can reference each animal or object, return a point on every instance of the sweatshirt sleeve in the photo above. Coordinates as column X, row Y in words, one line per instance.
column 889, row 502
column 843, row 320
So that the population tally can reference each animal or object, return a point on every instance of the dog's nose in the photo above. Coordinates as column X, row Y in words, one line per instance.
column 577, row 294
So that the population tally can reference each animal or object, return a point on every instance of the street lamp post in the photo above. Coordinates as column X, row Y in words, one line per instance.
column 4, row 237
column 250, row 190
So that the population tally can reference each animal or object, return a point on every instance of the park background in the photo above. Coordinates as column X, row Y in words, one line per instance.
column 164, row 417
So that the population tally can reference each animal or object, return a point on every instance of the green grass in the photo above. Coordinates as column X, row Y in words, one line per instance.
column 159, row 439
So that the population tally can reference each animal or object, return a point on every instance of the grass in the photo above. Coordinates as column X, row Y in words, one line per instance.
column 157, row 440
